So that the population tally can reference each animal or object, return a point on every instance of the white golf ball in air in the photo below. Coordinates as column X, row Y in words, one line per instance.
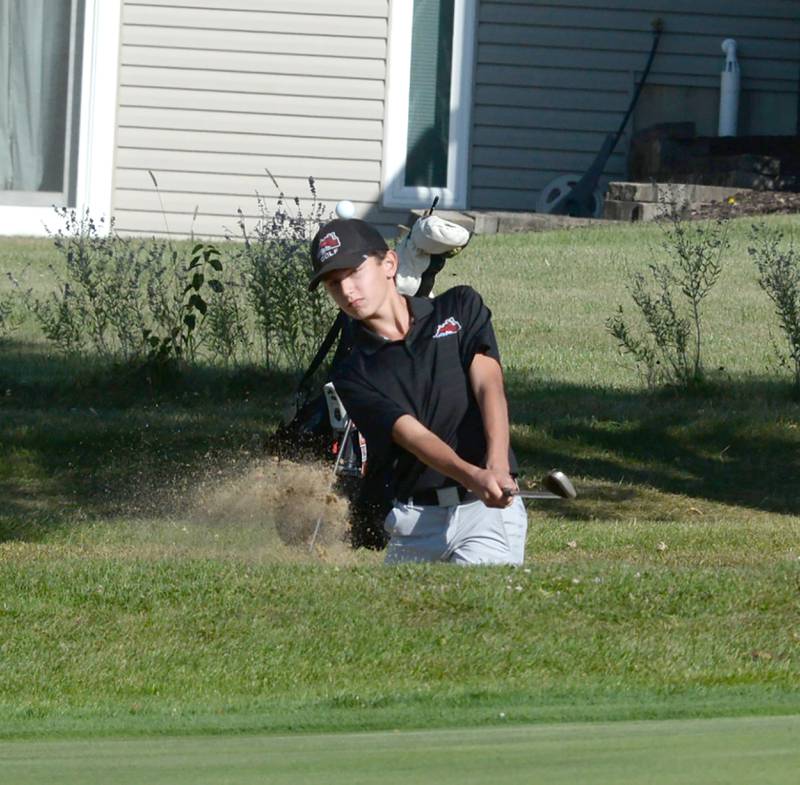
column 345, row 209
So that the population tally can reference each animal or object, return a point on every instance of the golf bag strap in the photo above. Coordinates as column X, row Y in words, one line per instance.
column 429, row 276
column 322, row 352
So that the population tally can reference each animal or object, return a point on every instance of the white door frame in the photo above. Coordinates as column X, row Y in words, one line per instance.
column 398, row 77
column 98, row 113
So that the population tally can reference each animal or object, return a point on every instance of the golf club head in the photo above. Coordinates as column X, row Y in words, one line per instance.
column 558, row 483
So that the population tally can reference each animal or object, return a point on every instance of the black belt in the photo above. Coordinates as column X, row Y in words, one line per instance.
column 442, row 497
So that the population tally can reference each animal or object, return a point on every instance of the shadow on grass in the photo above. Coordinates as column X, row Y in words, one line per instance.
column 83, row 441
column 78, row 442
column 736, row 442
column 29, row 373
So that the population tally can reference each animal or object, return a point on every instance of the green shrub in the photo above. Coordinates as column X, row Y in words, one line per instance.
column 99, row 301
column 275, row 264
column 779, row 276
column 229, row 324
column 185, row 307
column 12, row 308
column 130, row 300
column 123, row 299
column 666, row 347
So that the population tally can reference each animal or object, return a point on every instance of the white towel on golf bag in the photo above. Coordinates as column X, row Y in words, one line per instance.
column 429, row 236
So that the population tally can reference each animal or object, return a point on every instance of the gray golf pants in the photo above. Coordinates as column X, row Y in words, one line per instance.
column 469, row 533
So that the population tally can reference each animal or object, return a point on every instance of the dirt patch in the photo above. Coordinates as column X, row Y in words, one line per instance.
column 283, row 497
column 749, row 203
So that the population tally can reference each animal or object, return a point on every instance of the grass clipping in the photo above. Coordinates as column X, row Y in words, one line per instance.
column 282, row 497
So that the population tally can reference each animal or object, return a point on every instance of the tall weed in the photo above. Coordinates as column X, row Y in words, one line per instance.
column 229, row 325
column 99, row 301
column 291, row 321
column 12, row 308
column 126, row 300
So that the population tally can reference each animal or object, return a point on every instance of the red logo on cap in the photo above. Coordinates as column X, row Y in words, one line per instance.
column 447, row 327
column 328, row 246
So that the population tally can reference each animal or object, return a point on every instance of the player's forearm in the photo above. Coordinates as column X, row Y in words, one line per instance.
column 414, row 437
column 487, row 378
column 494, row 411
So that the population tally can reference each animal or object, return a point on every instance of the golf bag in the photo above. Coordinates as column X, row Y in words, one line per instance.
column 318, row 422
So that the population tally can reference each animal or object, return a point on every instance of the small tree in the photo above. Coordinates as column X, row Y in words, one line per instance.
column 779, row 276
column 670, row 299
column 178, row 341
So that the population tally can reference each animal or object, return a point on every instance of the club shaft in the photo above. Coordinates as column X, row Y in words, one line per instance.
column 536, row 495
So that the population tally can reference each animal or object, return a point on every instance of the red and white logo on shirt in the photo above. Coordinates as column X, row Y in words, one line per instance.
column 448, row 327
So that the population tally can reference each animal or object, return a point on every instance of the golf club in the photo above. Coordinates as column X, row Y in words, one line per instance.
column 558, row 486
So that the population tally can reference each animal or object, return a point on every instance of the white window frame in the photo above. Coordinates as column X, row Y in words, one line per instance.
column 395, row 192
column 98, row 112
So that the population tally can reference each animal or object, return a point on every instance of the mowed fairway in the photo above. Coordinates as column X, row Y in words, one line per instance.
column 743, row 750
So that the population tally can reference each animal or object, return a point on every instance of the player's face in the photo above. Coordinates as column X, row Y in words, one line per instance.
column 362, row 291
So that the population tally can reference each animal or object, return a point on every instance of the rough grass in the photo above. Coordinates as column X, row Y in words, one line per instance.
column 144, row 586
column 612, row 627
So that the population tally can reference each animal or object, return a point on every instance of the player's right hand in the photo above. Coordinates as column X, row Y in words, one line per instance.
column 489, row 486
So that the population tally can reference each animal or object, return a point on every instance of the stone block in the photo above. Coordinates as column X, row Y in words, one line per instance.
column 677, row 192
column 485, row 223
column 618, row 210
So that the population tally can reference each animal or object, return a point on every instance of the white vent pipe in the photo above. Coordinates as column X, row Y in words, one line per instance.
column 729, row 91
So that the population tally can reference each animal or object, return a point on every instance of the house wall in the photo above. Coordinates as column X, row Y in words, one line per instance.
column 214, row 94
column 553, row 77
column 211, row 95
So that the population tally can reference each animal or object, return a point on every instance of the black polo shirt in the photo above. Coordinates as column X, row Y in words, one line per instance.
column 425, row 375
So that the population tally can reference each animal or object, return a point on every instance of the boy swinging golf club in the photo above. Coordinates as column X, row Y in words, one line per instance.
column 424, row 385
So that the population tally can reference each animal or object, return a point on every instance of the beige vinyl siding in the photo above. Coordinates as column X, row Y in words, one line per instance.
column 214, row 94
column 553, row 77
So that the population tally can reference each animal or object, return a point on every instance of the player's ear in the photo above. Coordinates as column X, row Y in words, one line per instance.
column 389, row 264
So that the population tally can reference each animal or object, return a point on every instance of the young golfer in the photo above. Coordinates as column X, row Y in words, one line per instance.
column 424, row 386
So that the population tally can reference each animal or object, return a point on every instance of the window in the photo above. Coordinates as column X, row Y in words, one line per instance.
column 72, row 159
column 40, row 83
column 431, row 44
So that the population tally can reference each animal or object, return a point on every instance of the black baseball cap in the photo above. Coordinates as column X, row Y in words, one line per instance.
column 342, row 243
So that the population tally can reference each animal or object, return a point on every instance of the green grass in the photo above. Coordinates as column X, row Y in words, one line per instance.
column 553, row 292
column 669, row 588
column 99, row 640
column 762, row 750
